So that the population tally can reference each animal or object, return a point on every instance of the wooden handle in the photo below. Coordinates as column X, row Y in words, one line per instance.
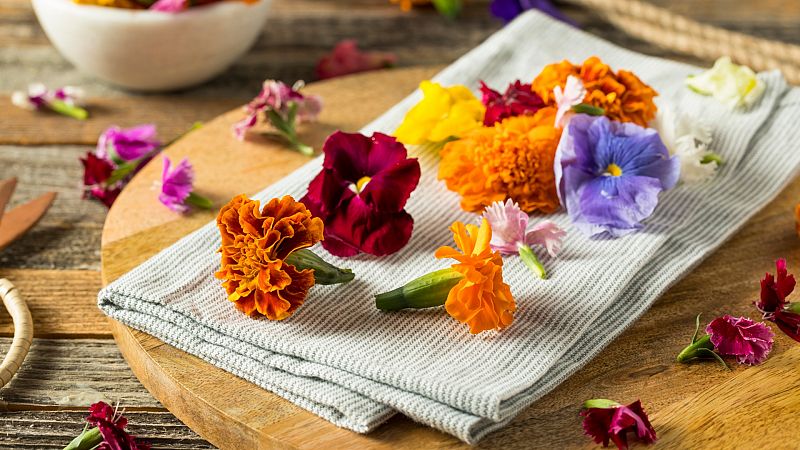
column 23, row 331
column 675, row 32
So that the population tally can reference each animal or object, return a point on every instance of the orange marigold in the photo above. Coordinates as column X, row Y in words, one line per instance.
column 623, row 96
column 513, row 159
column 481, row 299
column 254, row 246
column 406, row 5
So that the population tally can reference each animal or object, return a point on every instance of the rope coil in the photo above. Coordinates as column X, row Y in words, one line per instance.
column 675, row 32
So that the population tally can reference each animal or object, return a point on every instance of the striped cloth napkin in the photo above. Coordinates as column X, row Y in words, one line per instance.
column 356, row 366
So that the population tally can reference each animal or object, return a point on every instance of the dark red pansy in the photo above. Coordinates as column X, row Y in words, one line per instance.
column 361, row 194
column 608, row 421
column 518, row 99
column 773, row 304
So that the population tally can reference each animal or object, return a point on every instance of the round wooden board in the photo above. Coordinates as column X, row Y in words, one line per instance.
column 234, row 414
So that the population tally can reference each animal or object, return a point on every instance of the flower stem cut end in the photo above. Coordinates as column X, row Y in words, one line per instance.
column 63, row 108
column 532, row 262
column 711, row 158
column 199, row 201
column 88, row 439
column 427, row 291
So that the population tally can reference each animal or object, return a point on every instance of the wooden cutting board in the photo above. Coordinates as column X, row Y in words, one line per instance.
column 692, row 406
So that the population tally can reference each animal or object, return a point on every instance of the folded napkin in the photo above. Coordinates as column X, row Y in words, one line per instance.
column 355, row 366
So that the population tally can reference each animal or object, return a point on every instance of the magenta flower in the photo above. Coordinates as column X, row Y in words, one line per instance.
column 607, row 420
column 108, row 432
column 512, row 234
column 773, row 304
column 127, row 144
column 361, row 194
column 177, row 187
column 170, row 6
column 518, row 99
column 346, row 58
column 609, row 174
column 284, row 107
column 67, row 101
column 750, row 342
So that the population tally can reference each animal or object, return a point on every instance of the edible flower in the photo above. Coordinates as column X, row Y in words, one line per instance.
column 447, row 8
column 119, row 154
column 361, row 193
column 606, row 420
column 689, row 138
column 169, row 6
column 472, row 290
column 284, row 107
column 346, row 58
column 127, row 144
column 517, row 100
column 773, row 304
column 66, row 101
column 266, row 267
column 511, row 160
column 442, row 114
column 621, row 96
column 572, row 95
column 734, row 85
column 749, row 341
column 609, row 174
column 177, row 187
column 512, row 234
column 107, row 432
column 508, row 10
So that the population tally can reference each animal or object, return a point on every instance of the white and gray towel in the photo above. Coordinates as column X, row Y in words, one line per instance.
column 355, row 366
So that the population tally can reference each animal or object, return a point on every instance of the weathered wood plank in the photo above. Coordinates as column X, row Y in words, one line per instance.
column 63, row 303
column 74, row 373
column 68, row 236
column 44, row 430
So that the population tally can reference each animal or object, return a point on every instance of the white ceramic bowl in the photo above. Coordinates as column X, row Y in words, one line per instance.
column 149, row 50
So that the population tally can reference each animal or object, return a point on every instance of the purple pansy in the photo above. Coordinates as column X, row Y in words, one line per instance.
column 127, row 144
column 609, row 175
column 508, row 10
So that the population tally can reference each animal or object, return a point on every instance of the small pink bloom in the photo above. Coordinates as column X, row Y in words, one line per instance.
column 606, row 421
column 572, row 95
column 510, row 229
column 176, row 185
column 346, row 58
column 170, row 6
column 127, row 144
column 750, row 342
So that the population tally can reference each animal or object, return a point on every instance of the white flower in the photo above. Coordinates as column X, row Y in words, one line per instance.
column 688, row 137
column 572, row 95
column 734, row 85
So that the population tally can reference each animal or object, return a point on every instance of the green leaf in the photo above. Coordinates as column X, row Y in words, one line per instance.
column 696, row 328
column 704, row 352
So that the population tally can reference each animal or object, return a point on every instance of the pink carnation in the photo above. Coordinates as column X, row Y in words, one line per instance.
column 750, row 342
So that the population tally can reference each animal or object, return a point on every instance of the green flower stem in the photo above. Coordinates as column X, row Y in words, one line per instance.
column 324, row 272
column 585, row 108
column 87, row 440
column 199, row 201
column 601, row 403
column 793, row 307
column 286, row 128
column 694, row 350
column 448, row 8
column 427, row 291
column 711, row 157
column 76, row 112
column 529, row 258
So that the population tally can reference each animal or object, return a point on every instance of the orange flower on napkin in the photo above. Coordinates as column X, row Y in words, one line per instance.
column 511, row 160
column 481, row 299
column 255, row 246
column 622, row 95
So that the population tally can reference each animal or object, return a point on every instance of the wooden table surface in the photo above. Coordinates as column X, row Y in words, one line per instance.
column 74, row 361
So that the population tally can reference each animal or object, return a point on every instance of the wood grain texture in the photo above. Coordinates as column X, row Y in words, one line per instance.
column 63, row 303
column 639, row 364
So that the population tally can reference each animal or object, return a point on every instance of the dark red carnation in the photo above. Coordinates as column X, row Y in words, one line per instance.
column 606, row 421
column 361, row 194
column 112, row 428
column 773, row 304
column 96, row 171
column 518, row 99
column 346, row 58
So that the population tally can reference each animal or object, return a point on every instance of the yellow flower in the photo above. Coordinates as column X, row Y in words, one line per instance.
column 443, row 113
column 734, row 85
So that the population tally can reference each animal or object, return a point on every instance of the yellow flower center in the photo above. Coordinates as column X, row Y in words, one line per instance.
column 362, row 183
column 613, row 170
